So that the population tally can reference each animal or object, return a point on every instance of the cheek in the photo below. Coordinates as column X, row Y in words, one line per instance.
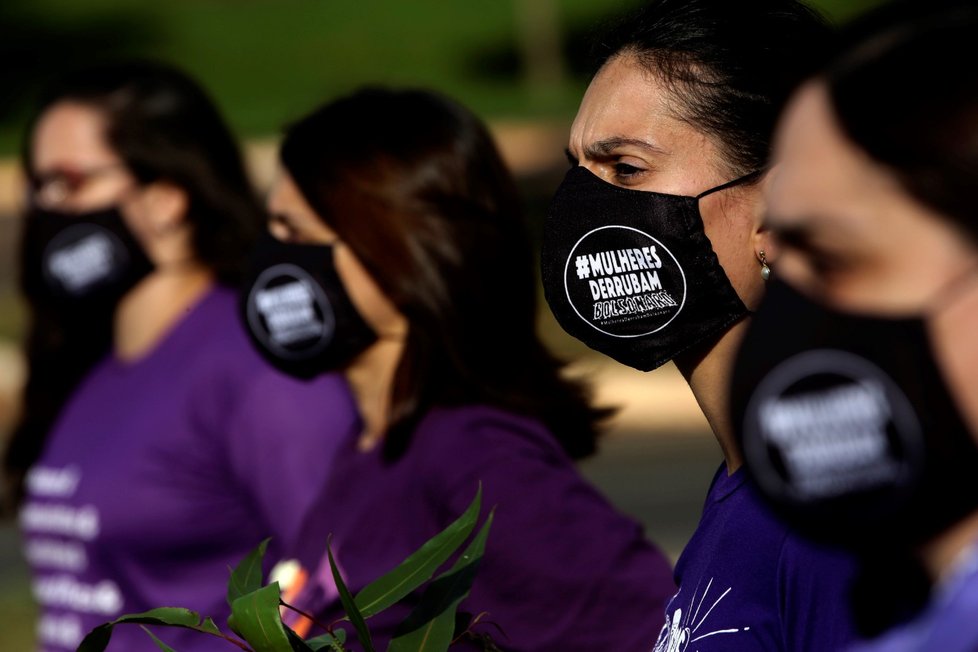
column 135, row 214
column 731, row 240
column 375, row 308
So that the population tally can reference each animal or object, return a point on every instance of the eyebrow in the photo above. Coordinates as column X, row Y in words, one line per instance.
column 603, row 148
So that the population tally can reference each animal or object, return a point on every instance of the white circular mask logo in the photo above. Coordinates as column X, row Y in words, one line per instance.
column 828, row 423
column 82, row 256
column 289, row 312
column 623, row 282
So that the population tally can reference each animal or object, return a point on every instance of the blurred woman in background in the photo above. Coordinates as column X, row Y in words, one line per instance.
column 398, row 223
column 855, row 391
column 654, row 251
column 156, row 447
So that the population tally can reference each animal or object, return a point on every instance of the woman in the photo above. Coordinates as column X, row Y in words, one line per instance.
column 156, row 448
column 654, row 250
column 863, row 427
column 403, row 246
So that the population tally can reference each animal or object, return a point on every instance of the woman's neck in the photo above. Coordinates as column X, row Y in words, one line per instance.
column 371, row 377
column 708, row 377
column 148, row 311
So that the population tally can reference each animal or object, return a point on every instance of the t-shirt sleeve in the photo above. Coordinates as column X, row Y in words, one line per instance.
column 282, row 436
column 564, row 564
column 813, row 585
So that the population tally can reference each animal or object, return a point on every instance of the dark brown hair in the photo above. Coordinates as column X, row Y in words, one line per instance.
column 413, row 183
column 730, row 66
column 162, row 125
column 905, row 90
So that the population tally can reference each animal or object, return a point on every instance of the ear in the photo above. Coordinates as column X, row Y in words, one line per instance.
column 762, row 238
column 165, row 206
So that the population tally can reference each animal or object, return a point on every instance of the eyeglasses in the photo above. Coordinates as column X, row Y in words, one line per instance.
column 53, row 188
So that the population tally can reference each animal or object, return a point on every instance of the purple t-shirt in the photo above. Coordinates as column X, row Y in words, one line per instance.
column 950, row 622
column 747, row 583
column 161, row 473
column 562, row 570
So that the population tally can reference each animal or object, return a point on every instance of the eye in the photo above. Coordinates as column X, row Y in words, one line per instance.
column 624, row 170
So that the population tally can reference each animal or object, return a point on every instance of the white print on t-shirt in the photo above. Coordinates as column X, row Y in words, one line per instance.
column 47, row 481
column 81, row 522
column 52, row 553
column 60, row 631
column 67, row 592
column 681, row 630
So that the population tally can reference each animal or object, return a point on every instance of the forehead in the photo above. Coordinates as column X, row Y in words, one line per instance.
column 623, row 98
column 284, row 196
column 818, row 168
column 285, row 199
column 70, row 135
column 627, row 102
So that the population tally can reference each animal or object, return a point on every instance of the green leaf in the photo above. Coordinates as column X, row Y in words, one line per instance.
column 258, row 621
column 173, row 616
column 298, row 645
column 431, row 625
column 433, row 636
column 209, row 627
column 350, row 605
column 160, row 644
column 332, row 641
column 247, row 576
column 98, row 639
column 420, row 566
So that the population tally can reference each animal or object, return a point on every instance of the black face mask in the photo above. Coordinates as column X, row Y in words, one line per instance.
column 297, row 311
column 631, row 273
column 848, row 427
column 81, row 265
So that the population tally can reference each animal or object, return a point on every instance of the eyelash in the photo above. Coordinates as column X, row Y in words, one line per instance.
column 624, row 170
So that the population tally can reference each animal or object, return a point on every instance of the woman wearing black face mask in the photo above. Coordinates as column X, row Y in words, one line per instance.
column 855, row 389
column 156, row 448
column 402, row 258
column 654, row 251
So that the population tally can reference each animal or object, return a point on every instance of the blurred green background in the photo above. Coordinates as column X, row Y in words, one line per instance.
column 268, row 61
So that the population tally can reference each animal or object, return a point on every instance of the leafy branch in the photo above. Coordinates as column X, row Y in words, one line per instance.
column 256, row 620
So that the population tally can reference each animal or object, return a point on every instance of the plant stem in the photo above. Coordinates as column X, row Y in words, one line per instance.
column 327, row 628
column 229, row 639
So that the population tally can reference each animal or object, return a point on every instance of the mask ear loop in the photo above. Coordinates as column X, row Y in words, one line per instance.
column 750, row 176
column 747, row 178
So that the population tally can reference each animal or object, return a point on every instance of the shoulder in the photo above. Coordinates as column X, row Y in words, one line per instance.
column 814, row 588
column 823, row 564
column 221, row 334
column 234, row 375
column 485, row 431
column 454, row 449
